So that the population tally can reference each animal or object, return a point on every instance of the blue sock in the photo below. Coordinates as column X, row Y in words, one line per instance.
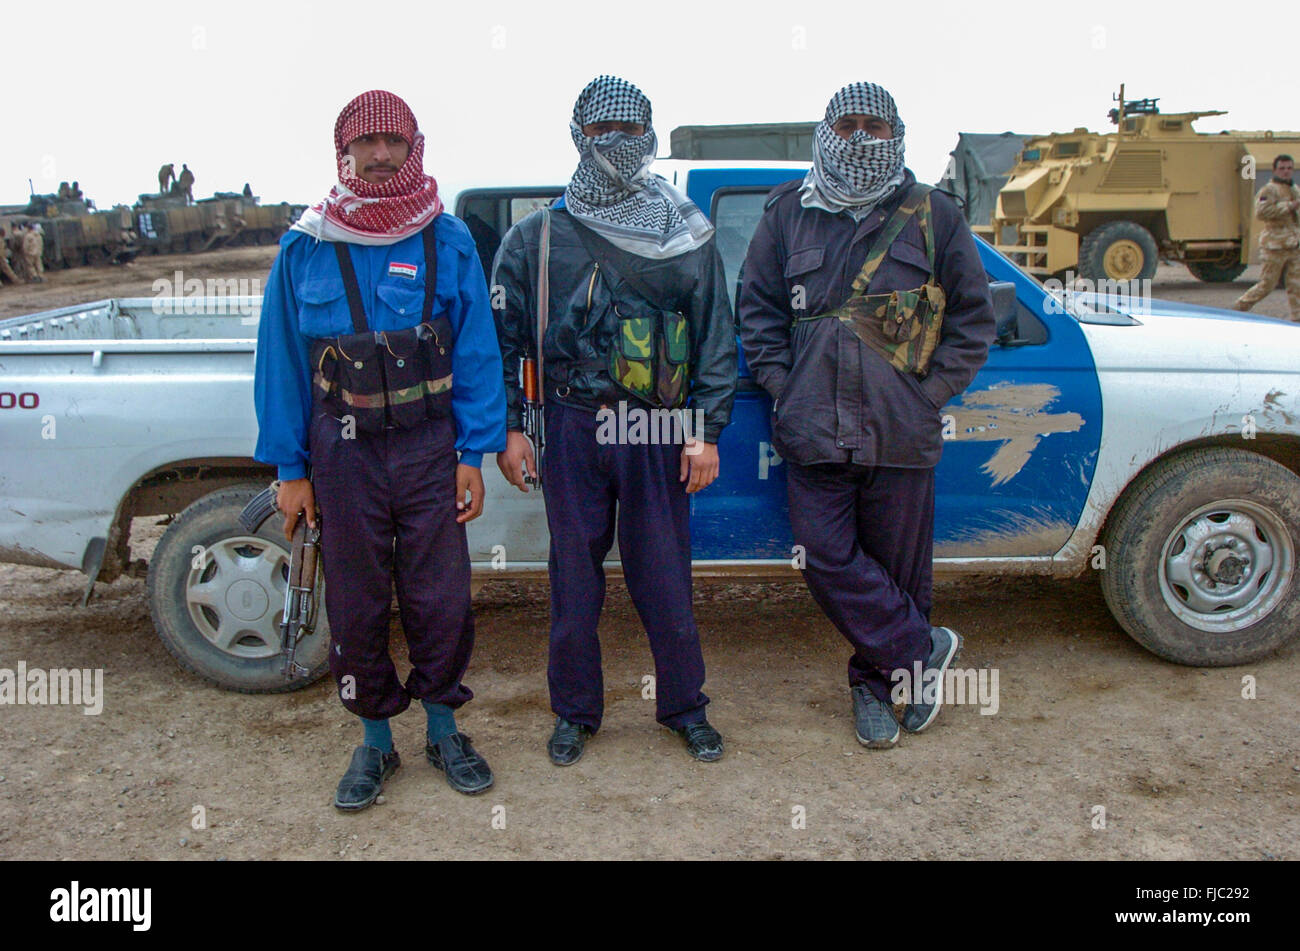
column 377, row 734
column 442, row 720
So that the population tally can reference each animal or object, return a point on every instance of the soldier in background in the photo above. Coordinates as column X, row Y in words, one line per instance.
column 248, row 190
column 64, row 191
column 186, row 182
column 75, row 193
column 166, row 175
column 1278, row 209
column 33, row 249
column 6, row 272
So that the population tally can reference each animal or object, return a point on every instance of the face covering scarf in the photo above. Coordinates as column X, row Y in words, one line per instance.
column 360, row 212
column 855, row 174
column 613, row 191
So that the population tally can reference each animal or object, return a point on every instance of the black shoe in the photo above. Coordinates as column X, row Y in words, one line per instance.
column 702, row 741
column 364, row 780
column 874, row 719
column 466, row 770
column 567, row 742
column 945, row 645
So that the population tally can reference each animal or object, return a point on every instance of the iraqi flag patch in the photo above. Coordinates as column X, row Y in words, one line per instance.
column 408, row 271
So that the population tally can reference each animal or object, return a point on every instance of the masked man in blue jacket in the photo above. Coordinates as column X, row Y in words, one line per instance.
column 377, row 363
column 864, row 309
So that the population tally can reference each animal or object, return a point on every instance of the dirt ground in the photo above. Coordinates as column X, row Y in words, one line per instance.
column 1184, row 766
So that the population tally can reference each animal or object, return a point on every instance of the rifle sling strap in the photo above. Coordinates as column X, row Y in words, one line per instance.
column 543, row 299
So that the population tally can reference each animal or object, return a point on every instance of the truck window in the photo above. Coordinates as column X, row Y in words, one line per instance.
column 736, row 212
column 489, row 213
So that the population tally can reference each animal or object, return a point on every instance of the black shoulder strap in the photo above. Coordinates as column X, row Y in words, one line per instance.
column 353, row 288
column 598, row 248
column 430, row 271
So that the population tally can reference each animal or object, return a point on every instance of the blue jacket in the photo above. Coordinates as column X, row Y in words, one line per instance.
column 305, row 299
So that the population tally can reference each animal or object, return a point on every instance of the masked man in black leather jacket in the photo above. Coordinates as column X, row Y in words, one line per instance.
column 638, row 378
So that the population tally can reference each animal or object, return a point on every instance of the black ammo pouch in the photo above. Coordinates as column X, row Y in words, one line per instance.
column 392, row 379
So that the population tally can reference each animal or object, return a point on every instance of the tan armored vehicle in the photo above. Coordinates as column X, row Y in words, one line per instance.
column 1109, row 206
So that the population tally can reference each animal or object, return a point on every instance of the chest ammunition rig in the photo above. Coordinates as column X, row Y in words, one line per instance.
column 392, row 379
column 902, row 326
column 651, row 350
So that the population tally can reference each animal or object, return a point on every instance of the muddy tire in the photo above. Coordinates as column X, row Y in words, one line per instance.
column 1118, row 251
column 1201, row 558
column 217, row 595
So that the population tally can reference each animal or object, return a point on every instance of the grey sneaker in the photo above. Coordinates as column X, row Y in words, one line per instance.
column 877, row 728
column 945, row 646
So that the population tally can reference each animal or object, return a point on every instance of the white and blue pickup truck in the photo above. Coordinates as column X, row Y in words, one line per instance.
column 1156, row 444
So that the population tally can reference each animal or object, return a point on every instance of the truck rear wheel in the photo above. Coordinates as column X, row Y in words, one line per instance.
column 1201, row 558
column 1118, row 251
column 217, row 597
column 1216, row 273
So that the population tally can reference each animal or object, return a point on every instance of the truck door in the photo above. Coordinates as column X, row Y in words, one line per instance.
column 1021, row 445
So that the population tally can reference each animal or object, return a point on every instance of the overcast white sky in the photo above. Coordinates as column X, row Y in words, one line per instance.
column 248, row 91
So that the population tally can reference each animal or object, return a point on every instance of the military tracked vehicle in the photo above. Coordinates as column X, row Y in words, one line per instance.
column 167, row 225
column 75, row 233
column 1110, row 206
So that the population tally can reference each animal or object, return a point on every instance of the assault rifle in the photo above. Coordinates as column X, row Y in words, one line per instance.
column 534, row 369
column 299, row 618
column 534, row 419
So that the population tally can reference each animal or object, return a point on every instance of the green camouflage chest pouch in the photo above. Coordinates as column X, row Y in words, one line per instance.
column 650, row 354
column 901, row 326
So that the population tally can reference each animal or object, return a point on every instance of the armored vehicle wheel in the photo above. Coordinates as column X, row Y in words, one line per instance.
column 1201, row 558
column 217, row 596
column 1118, row 251
column 1216, row 273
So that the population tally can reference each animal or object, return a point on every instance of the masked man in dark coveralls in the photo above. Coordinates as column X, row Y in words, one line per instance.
column 858, row 377
column 639, row 320
column 377, row 362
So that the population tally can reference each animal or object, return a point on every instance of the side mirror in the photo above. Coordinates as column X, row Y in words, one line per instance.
column 1005, row 311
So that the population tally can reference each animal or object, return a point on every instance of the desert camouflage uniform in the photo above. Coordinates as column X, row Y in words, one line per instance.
column 1279, row 246
column 33, row 247
column 6, row 271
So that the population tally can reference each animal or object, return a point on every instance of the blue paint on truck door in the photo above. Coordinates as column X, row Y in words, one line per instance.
column 1024, row 436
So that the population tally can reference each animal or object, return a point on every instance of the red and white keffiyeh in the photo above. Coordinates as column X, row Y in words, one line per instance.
column 360, row 212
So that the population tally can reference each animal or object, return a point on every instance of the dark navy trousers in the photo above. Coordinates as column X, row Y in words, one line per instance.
column 388, row 514
column 586, row 486
column 868, row 536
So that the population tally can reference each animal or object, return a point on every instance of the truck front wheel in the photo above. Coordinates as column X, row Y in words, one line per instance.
column 1118, row 251
column 217, row 597
column 1201, row 558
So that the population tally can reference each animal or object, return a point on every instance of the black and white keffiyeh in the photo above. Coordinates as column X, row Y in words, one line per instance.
column 854, row 174
column 613, row 191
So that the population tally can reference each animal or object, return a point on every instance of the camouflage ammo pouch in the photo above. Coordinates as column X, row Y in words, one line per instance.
column 651, row 352
column 394, row 379
column 902, row 326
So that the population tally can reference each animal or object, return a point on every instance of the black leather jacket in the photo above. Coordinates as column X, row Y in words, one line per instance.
column 581, row 325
